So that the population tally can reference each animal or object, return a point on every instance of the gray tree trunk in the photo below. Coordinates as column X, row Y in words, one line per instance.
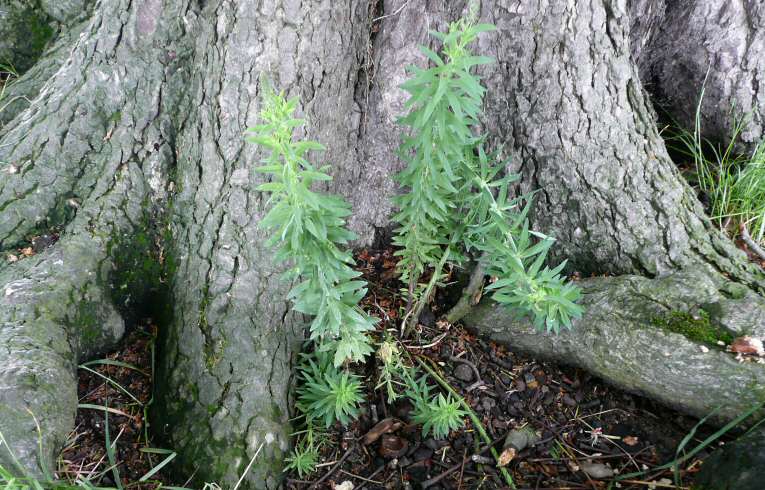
column 132, row 144
column 676, row 43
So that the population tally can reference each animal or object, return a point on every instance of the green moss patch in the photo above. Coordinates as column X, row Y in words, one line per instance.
column 694, row 326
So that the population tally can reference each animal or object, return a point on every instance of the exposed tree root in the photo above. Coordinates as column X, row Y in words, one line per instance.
column 625, row 338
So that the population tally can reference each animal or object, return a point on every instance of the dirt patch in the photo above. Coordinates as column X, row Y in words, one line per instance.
column 117, row 386
column 580, row 433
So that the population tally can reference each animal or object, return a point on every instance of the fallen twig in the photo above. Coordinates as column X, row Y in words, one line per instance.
column 333, row 469
column 753, row 246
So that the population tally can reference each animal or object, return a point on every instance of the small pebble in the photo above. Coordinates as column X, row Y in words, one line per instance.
column 521, row 438
column 463, row 373
column 597, row 470
column 488, row 403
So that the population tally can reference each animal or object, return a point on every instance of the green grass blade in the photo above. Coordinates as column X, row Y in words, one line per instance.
column 161, row 464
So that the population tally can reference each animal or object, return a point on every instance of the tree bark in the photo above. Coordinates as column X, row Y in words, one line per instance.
column 677, row 43
column 623, row 338
column 227, row 356
column 132, row 146
column 90, row 158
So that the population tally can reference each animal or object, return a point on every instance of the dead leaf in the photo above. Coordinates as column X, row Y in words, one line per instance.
column 506, row 456
column 385, row 426
column 630, row 440
column 748, row 345
column 28, row 252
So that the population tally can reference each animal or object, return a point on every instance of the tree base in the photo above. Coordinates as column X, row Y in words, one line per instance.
column 627, row 337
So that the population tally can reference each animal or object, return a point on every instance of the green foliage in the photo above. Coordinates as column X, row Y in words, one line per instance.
column 305, row 455
column 326, row 393
column 309, row 228
column 733, row 183
column 391, row 370
column 457, row 201
column 302, row 459
column 437, row 414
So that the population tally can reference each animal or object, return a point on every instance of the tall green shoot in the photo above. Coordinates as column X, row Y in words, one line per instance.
column 309, row 231
column 457, row 201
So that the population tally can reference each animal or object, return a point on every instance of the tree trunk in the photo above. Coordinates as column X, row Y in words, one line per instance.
column 132, row 146
column 226, row 360
column 677, row 43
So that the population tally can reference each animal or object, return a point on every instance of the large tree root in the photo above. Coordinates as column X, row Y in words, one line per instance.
column 621, row 339
column 87, row 158
column 55, row 308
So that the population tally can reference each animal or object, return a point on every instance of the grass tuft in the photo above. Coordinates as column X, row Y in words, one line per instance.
column 732, row 184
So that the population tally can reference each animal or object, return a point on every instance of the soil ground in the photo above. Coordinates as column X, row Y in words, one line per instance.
column 581, row 424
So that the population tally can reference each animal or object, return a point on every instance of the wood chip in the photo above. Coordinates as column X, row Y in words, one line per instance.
column 748, row 345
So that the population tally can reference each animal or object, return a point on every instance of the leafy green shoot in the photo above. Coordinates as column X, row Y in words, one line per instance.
column 305, row 454
column 309, row 229
column 328, row 394
column 459, row 202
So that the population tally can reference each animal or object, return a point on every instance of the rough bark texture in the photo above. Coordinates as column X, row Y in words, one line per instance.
column 608, row 190
column 227, row 359
column 84, row 158
column 676, row 43
column 621, row 339
column 131, row 142
column 567, row 105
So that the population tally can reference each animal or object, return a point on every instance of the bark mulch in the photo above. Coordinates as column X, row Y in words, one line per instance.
column 583, row 428
column 108, row 387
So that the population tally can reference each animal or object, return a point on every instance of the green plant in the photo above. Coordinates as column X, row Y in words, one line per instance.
column 309, row 228
column 473, row 418
column 327, row 393
column 457, row 203
column 305, row 454
column 302, row 459
column 733, row 184
column 391, row 370
column 439, row 415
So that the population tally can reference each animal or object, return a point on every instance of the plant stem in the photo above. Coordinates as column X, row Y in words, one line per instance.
column 753, row 246
column 473, row 417
column 423, row 300
column 466, row 301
